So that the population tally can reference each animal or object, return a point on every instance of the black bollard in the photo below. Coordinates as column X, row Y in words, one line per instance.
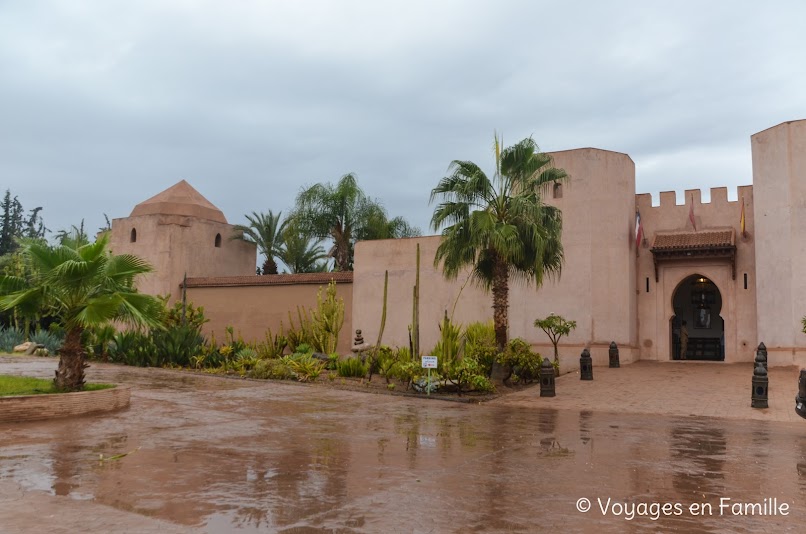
column 761, row 356
column 585, row 365
column 547, row 379
column 800, row 399
column 760, row 383
column 613, row 353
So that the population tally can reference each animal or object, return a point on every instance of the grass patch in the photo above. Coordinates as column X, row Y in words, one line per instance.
column 24, row 385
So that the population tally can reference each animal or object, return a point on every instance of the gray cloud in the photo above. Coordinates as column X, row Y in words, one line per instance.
column 104, row 104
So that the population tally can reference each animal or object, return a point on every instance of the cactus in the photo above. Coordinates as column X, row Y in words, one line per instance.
column 415, row 312
column 383, row 325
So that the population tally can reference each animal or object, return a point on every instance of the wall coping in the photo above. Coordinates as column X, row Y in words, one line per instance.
column 271, row 280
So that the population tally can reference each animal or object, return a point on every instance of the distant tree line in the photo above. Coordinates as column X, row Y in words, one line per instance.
column 16, row 224
column 342, row 213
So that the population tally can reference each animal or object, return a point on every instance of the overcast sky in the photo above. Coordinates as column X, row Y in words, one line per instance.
column 106, row 103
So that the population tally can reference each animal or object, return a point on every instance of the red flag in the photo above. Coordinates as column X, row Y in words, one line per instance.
column 691, row 214
column 639, row 229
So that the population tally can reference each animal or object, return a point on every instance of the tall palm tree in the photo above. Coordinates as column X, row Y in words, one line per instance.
column 82, row 287
column 266, row 231
column 300, row 252
column 345, row 214
column 74, row 238
column 500, row 227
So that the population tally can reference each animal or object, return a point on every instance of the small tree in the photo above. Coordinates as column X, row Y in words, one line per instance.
column 555, row 326
column 83, row 288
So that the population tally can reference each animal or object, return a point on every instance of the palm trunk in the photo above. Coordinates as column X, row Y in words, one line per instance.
column 342, row 255
column 70, row 374
column 269, row 266
column 500, row 373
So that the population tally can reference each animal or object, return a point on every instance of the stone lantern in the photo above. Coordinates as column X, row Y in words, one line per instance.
column 761, row 356
column 613, row 353
column 585, row 365
column 547, row 379
column 760, row 383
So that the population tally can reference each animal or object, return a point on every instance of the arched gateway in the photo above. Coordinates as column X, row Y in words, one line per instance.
column 697, row 329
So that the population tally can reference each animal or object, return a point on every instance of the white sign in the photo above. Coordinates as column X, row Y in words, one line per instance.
column 429, row 362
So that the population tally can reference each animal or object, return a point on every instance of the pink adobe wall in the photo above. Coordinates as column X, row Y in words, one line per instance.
column 779, row 177
column 596, row 287
column 176, row 244
column 252, row 309
column 739, row 305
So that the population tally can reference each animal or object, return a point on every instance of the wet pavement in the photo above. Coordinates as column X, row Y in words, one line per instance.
column 210, row 454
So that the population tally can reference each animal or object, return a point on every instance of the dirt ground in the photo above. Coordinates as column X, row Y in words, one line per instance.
column 217, row 455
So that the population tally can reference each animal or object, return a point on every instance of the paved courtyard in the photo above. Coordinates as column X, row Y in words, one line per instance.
column 709, row 389
column 210, row 454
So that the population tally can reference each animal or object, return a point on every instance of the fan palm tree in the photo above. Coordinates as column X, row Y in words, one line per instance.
column 300, row 253
column 500, row 227
column 266, row 231
column 345, row 214
column 83, row 288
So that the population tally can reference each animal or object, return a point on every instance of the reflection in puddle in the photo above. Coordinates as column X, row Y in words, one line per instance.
column 255, row 458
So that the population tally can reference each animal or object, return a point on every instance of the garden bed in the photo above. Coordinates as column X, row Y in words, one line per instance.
column 377, row 385
column 33, row 399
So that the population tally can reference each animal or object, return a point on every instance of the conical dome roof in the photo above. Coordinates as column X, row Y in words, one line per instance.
column 180, row 199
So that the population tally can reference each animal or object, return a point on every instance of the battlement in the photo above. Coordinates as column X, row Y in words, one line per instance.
column 718, row 197
column 719, row 212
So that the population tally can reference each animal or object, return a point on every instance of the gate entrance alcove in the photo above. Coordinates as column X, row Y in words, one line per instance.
column 697, row 328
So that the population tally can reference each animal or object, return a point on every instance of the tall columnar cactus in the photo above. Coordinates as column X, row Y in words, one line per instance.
column 415, row 313
column 374, row 360
column 327, row 320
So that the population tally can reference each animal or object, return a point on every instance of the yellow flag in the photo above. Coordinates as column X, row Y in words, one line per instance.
column 741, row 219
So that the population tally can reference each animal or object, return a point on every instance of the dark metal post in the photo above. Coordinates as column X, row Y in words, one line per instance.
column 585, row 365
column 613, row 353
column 760, row 383
column 800, row 399
column 547, row 388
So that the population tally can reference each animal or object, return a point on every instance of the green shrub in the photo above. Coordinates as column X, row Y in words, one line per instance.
column 193, row 316
column 271, row 369
column 301, row 333
column 235, row 344
column 389, row 361
column 273, row 346
column 480, row 345
column 327, row 320
column 245, row 360
column 353, row 367
column 380, row 361
column 97, row 341
column 303, row 348
column 405, row 371
column 332, row 362
column 177, row 345
column 525, row 363
column 449, row 346
column 304, row 366
column 9, row 338
column 134, row 348
column 480, row 334
column 467, row 375
column 51, row 340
